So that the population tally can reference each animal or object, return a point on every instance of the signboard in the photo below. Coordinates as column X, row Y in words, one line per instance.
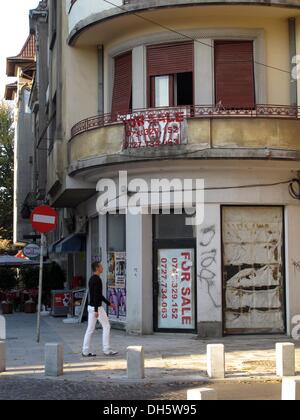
column 176, row 297
column 44, row 219
column 155, row 129
column 32, row 251
column 78, row 300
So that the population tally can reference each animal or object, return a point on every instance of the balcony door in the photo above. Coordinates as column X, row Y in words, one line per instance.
column 170, row 74
column 234, row 74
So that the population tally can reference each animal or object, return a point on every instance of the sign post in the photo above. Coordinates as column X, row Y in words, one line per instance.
column 43, row 220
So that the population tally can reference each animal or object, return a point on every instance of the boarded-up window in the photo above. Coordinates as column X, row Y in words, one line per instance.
column 253, row 269
column 121, row 101
column 234, row 74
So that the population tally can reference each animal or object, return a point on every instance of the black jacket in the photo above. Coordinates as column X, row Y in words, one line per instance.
column 95, row 293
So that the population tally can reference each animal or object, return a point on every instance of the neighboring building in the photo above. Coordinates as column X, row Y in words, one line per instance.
column 223, row 72
column 22, row 67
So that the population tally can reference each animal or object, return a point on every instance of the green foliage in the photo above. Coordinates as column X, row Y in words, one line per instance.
column 6, row 171
column 6, row 247
column 8, row 278
column 53, row 279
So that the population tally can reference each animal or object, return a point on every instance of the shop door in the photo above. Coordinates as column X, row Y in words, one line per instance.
column 253, row 270
column 175, row 286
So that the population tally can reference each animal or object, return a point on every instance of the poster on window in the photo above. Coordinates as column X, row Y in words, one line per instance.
column 176, row 296
column 111, row 274
column 117, row 298
column 120, row 270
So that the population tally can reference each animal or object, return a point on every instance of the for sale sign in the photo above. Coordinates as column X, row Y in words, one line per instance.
column 176, row 298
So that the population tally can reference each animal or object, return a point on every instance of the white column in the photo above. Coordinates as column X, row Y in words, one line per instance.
column 204, row 394
column 285, row 359
column 216, row 361
column 204, row 72
column 135, row 362
column 292, row 224
column 209, row 273
column 2, row 328
column 290, row 389
column 54, row 359
column 139, row 78
column 2, row 356
column 139, row 274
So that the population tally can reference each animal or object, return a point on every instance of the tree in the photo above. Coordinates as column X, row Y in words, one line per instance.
column 6, row 172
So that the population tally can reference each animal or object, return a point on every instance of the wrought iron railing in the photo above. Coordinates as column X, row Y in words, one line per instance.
column 195, row 111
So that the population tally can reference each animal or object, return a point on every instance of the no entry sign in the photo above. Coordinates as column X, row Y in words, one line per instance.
column 44, row 219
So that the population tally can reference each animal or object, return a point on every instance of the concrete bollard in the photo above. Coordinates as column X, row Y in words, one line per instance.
column 290, row 389
column 135, row 362
column 2, row 356
column 2, row 328
column 216, row 361
column 54, row 359
column 204, row 394
column 285, row 359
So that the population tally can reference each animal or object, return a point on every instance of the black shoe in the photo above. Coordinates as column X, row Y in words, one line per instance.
column 89, row 355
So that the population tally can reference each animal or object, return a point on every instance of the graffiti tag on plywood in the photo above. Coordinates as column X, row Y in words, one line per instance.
column 208, row 261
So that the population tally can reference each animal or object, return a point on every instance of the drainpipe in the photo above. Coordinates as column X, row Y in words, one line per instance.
column 100, row 79
column 293, row 53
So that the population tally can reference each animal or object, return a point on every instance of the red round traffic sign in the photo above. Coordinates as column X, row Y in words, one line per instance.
column 44, row 219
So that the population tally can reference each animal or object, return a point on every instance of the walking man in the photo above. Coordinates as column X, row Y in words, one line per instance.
column 97, row 312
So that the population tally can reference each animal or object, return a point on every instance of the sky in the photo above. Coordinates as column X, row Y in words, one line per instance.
column 14, row 29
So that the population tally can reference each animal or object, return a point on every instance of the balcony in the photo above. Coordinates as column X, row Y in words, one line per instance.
column 86, row 15
column 267, row 131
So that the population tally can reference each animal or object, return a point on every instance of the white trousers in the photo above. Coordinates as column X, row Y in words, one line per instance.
column 104, row 321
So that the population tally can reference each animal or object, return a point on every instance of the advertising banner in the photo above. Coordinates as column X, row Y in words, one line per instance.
column 176, row 300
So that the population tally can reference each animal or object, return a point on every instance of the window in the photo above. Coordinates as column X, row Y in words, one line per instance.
column 173, row 226
column 116, row 233
column 122, row 92
column 234, row 74
column 53, row 23
column 170, row 71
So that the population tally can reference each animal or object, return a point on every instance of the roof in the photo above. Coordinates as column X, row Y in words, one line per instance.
column 26, row 56
column 10, row 90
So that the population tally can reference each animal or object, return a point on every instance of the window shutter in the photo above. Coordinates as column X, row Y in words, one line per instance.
column 173, row 58
column 122, row 84
column 234, row 74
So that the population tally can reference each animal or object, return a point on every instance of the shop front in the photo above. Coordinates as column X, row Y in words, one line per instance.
column 174, row 279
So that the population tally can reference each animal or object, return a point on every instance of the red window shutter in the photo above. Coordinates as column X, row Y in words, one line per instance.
column 234, row 74
column 122, row 84
column 173, row 58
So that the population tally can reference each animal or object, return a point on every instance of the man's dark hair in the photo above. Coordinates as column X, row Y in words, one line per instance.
column 95, row 265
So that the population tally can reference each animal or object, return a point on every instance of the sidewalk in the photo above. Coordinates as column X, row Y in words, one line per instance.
column 168, row 357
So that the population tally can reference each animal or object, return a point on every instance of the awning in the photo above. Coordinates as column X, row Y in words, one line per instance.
column 70, row 244
column 9, row 261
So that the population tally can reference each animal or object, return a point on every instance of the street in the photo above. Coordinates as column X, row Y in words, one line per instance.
column 34, row 389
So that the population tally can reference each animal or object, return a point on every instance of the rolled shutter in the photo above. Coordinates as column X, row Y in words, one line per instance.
column 173, row 58
column 122, row 83
column 234, row 74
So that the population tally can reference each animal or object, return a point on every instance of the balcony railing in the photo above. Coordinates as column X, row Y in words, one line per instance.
column 181, row 114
